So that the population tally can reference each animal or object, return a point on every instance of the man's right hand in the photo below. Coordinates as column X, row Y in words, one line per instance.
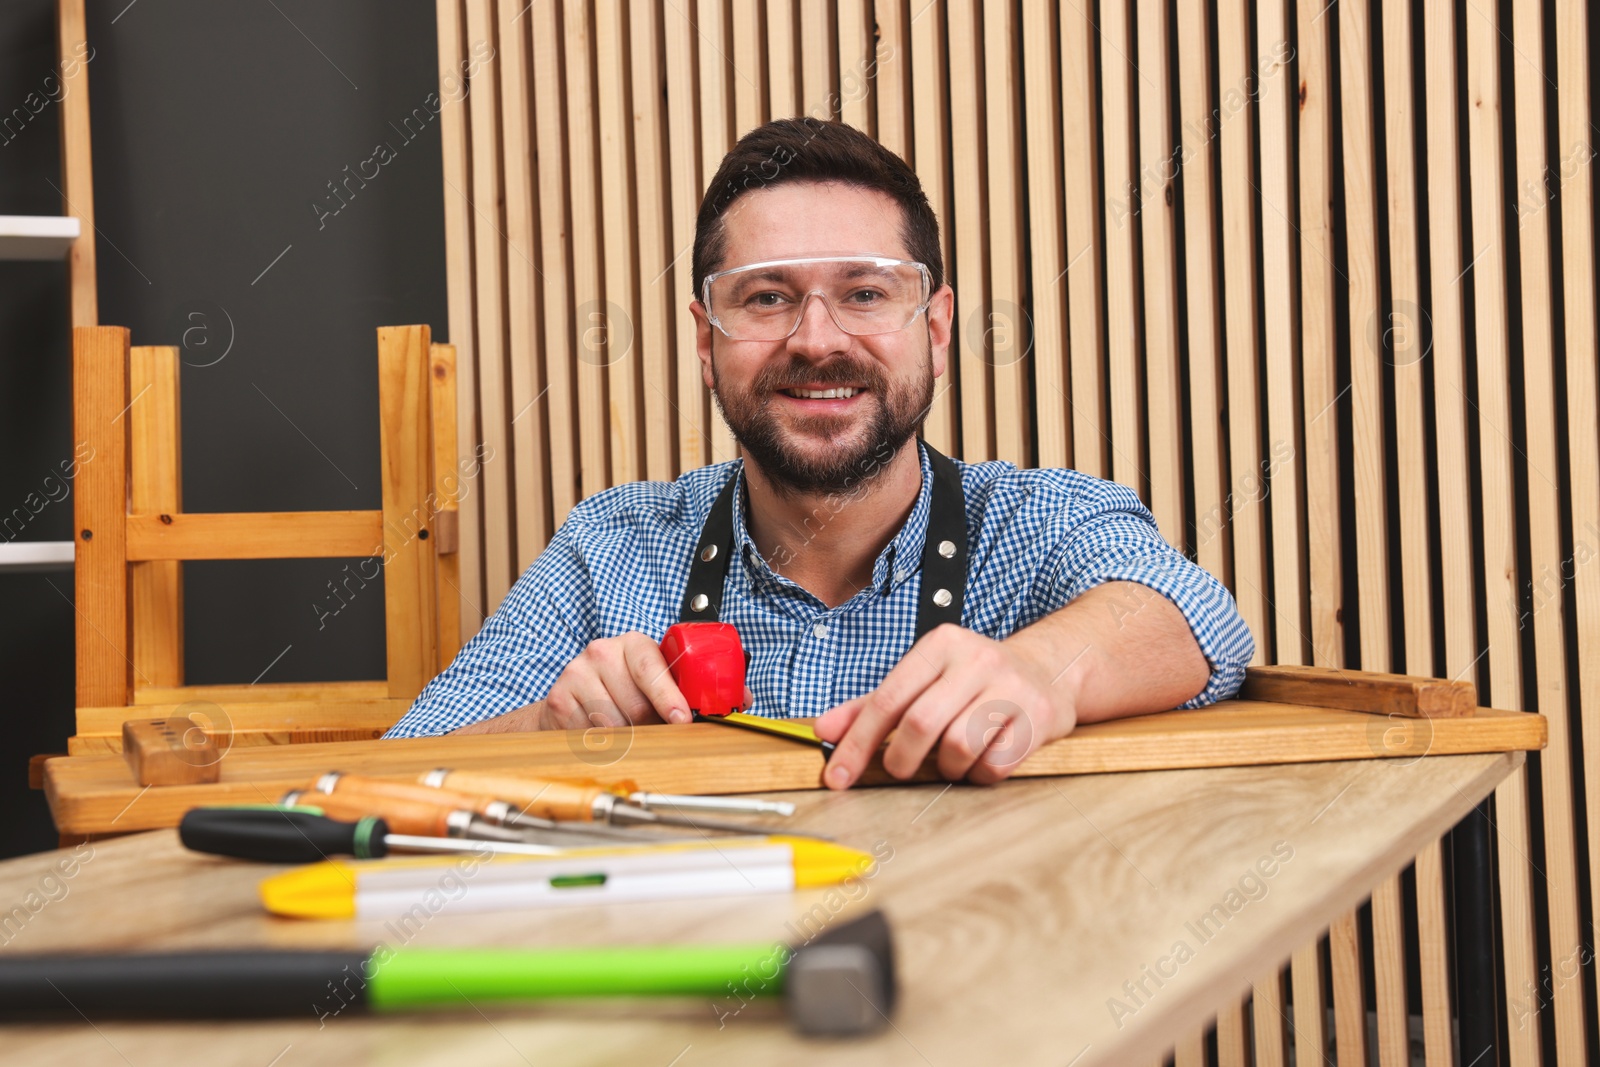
column 615, row 681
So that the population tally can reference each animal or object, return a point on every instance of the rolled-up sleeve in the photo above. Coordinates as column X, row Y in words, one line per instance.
column 545, row 621
column 1105, row 534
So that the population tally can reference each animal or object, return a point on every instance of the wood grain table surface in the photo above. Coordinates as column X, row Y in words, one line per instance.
column 1082, row 920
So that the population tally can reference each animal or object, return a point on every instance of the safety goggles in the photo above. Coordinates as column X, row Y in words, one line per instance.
column 865, row 295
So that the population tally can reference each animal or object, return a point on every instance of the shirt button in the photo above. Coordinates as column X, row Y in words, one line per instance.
column 820, row 629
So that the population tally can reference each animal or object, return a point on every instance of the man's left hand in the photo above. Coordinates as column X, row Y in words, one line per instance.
column 985, row 705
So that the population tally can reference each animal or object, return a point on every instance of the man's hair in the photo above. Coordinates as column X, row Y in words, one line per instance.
column 810, row 150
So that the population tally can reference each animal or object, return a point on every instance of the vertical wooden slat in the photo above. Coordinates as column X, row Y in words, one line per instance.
column 104, row 623
column 1543, row 401
column 1275, row 95
column 1583, row 394
column 1232, row 1048
column 1157, row 213
column 1267, row 1019
column 1349, row 999
column 749, row 67
column 855, row 58
column 1197, row 136
column 658, row 303
column 77, row 159
column 1190, row 1052
column 1080, row 125
column 524, row 321
column 891, row 64
column 1010, row 336
column 1497, row 505
column 683, row 122
column 717, row 136
column 155, row 487
column 615, row 343
column 489, row 271
column 1433, row 956
column 1389, row 974
column 971, row 236
column 406, row 455
column 446, row 491
column 588, row 293
column 1048, row 259
column 1245, row 487
column 1310, row 1021
column 555, row 251
column 1123, row 194
column 931, row 130
column 454, row 123
column 783, row 60
column 818, row 77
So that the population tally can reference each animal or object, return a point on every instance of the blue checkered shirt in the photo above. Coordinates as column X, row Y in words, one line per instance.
column 1037, row 540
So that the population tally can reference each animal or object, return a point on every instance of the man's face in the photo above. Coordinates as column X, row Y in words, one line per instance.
column 820, row 445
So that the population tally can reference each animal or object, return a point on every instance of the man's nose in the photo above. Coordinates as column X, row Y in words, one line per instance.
column 817, row 330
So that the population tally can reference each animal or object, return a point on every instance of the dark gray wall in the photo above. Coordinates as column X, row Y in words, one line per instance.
column 217, row 130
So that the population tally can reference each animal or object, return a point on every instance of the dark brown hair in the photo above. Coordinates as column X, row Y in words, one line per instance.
column 810, row 150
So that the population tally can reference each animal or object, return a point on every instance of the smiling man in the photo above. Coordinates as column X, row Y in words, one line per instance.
column 975, row 611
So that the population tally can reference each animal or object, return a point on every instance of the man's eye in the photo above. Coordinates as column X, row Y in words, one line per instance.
column 865, row 298
column 765, row 301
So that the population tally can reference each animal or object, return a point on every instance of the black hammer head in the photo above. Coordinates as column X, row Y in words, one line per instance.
column 841, row 983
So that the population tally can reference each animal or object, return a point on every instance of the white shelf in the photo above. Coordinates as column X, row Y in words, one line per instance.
column 37, row 236
column 36, row 556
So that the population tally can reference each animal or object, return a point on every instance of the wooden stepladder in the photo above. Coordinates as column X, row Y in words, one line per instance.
column 132, row 536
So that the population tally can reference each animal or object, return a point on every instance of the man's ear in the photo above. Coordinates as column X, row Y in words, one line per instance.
column 702, row 341
column 941, row 315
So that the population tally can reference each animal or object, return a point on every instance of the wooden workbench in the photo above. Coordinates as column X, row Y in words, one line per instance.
column 1020, row 911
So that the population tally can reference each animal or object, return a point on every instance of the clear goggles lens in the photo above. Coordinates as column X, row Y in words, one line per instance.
column 865, row 295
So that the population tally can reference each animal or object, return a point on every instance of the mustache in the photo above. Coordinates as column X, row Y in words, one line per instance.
column 796, row 373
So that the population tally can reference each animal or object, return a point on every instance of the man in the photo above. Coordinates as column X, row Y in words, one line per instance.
column 977, row 611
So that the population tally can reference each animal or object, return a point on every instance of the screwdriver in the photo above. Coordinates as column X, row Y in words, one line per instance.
column 286, row 835
column 625, row 789
column 409, row 806
column 566, row 801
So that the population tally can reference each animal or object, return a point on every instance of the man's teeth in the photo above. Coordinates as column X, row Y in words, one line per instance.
column 823, row 394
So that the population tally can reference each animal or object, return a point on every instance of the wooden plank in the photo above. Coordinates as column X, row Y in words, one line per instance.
column 683, row 120
column 1387, row 694
column 1232, row 1048
column 1544, row 401
column 855, row 56
column 445, row 499
column 1497, row 508
column 717, row 137
column 86, row 794
column 77, row 158
column 750, row 67
column 969, row 274
column 555, row 250
column 931, row 119
column 1159, row 264
column 100, row 729
column 1010, row 333
column 1310, row 1017
column 525, row 353
column 489, row 278
column 454, row 124
column 818, row 62
column 657, row 299
column 155, row 484
column 1080, row 125
column 260, row 535
column 1583, row 393
column 1202, row 311
column 1349, row 1001
column 1246, row 514
column 1433, row 958
column 104, row 623
column 263, row 691
column 891, row 77
column 408, row 567
column 1280, row 328
column 611, row 339
column 1319, row 341
column 1389, row 974
column 583, row 205
column 1190, row 1052
column 1124, row 195
column 1047, row 261
column 783, row 59
column 1267, row 1017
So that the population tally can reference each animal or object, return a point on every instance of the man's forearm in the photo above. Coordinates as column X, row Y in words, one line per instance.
column 521, row 720
column 1120, row 649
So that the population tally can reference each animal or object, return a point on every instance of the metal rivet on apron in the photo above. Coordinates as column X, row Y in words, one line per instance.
column 947, row 549
column 709, row 554
column 701, row 600
column 941, row 597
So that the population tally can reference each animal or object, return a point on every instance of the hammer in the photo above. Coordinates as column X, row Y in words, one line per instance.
column 839, row 983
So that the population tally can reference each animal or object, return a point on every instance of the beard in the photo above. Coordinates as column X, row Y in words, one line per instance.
column 848, row 458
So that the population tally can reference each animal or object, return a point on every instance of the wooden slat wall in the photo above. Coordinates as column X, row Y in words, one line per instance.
column 1255, row 260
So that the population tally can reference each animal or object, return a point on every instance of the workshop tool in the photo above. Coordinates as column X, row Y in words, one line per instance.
column 396, row 800
column 524, row 792
column 708, row 662
column 839, row 983
column 274, row 834
column 434, row 819
column 337, row 889
column 566, row 802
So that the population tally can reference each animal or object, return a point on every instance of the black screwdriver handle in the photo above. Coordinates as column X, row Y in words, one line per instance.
column 276, row 835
